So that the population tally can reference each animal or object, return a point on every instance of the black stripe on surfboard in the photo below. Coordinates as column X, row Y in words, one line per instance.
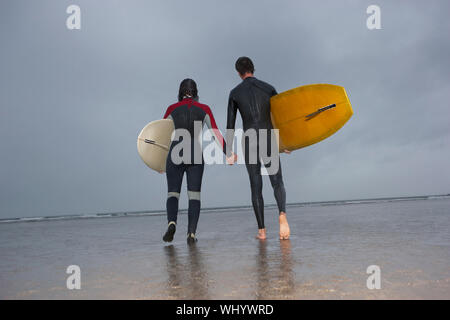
column 153, row 142
column 320, row 110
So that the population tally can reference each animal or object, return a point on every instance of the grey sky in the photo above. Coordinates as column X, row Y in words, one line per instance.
column 73, row 102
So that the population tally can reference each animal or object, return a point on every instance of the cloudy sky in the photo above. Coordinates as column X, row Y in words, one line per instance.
column 72, row 102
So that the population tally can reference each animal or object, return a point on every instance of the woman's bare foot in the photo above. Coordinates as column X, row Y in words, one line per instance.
column 261, row 234
column 285, row 232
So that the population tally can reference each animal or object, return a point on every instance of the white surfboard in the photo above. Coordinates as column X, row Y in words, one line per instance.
column 153, row 143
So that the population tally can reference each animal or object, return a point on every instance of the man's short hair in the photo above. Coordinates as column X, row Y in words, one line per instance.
column 244, row 65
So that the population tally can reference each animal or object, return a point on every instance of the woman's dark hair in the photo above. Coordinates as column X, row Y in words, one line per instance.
column 243, row 65
column 188, row 87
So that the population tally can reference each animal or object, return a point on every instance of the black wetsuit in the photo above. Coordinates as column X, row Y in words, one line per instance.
column 252, row 98
column 184, row 115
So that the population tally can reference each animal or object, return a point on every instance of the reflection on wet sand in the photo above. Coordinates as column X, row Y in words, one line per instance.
column 124, row 258
column 186, row 279
column 275, row 275
column 173, row 281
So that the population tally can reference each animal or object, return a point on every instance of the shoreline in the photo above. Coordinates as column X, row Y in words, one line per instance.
column 161, row 212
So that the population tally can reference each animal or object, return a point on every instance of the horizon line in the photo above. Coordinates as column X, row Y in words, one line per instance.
column 183, row 211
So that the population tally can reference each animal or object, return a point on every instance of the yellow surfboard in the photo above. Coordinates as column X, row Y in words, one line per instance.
column 309, row 114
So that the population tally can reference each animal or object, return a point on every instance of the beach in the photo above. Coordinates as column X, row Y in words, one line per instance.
column 327, row 256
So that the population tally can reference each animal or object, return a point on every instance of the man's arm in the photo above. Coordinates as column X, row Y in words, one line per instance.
column 274, row 92
column 231, row 122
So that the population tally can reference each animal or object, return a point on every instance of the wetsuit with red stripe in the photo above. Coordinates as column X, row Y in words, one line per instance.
column 188, row 116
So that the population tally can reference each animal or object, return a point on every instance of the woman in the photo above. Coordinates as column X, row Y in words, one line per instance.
column 186, row 114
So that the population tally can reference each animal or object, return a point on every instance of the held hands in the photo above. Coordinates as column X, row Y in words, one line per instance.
column 232, row 159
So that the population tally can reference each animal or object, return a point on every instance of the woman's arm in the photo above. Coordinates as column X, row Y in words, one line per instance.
column 211, row 124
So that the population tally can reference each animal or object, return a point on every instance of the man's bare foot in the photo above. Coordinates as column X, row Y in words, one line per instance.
column 261, row 234
column 285, row 232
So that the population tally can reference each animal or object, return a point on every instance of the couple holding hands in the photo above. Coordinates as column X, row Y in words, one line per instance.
column 252, row 98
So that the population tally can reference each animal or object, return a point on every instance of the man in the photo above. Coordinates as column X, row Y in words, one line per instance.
column 252, row 98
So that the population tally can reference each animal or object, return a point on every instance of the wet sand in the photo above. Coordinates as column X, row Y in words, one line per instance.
column 326, row 257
